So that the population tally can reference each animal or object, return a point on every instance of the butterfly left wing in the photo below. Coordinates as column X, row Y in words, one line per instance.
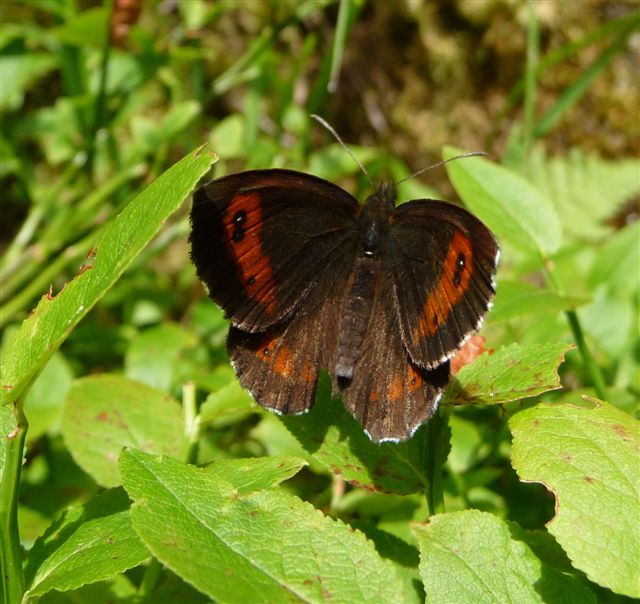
column 261, row 239
column 280, row 367
column 444, row 264
column 389, row 394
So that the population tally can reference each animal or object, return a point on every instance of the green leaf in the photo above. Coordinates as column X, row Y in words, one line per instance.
column 511, row 206
column 151, row 357
column 589, row 459
column 618, row 260
column 22, row 71
column 517, row 299
column 228, row 404
column 587, row 191
column 105, row 413
column 472, row 556
column 335, row 439
column 265, row 546
column 404, row 556
column 126, row 235
column 255, row 473
column 87, row 28
column 43, row 404
column 511, row 373
column 88, row 543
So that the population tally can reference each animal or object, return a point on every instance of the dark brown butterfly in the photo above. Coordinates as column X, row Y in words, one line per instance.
column 380, row 296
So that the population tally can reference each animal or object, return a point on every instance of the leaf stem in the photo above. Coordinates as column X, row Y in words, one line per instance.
column 592, row 367
column 578, row 337
column 10, row 552
column 150, row 578
column 191, row 421
column 435, row 449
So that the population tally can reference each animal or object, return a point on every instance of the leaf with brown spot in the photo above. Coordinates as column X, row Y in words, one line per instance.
column 588, row 457
column 509, row 374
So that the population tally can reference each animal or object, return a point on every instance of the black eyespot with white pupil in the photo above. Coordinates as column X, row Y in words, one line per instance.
column 238, row 225
column 460, row 264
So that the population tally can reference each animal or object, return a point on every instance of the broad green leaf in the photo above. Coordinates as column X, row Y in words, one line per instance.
column 22, row 71
column 152, row 355
column 105, row 413
column 254, row 473
column 472, row 556
column 466, row 439
column 404, row 556
column 586, row 190
column 87, row 28
column 517, row 298
column 43, row 403
column 511, row 373
column 228, row 136
column 119, row 590
column 124, row 237
column 332, row 163
column 611, row 323
column 588, row 457
column 228, row 404
column 170, row 589
column 88, row 543
column 511, row 206
column 265, row 546
column 335, row 439
column 618, row 260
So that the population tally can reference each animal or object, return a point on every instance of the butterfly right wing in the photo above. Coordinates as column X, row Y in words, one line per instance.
column 261, row 239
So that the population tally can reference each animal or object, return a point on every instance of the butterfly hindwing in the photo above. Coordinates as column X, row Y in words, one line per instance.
column 444, row 266
column 280, row 367
column 260, row 240
column 389, row 394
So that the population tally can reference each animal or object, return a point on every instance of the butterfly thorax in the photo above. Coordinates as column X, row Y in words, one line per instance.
column 374, row 220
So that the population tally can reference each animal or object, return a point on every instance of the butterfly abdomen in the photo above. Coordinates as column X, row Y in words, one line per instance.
column 355, row 317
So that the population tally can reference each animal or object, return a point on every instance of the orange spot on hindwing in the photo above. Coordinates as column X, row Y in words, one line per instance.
column 282, row 360
column 449, row 290
column 404, row 383
column 242, row 225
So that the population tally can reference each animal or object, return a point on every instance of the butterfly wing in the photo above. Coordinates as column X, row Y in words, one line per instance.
column 444, row 264
column 261, row 239
column 280, row 367
column 389, row 394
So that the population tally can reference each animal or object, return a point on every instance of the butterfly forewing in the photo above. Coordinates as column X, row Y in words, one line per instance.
column 444, row 267
column 261, row 239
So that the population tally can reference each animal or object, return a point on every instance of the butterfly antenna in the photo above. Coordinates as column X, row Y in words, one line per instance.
column 330, row 128
column 442, row 163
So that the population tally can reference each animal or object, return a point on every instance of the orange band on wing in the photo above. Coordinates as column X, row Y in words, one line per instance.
column 450, row 289
column 242, row 224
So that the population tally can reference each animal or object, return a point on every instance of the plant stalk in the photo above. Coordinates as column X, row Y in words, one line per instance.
column 10, row 551
column 436, row 455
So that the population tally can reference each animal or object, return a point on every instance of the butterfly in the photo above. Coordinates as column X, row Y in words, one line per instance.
column 380, row 296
